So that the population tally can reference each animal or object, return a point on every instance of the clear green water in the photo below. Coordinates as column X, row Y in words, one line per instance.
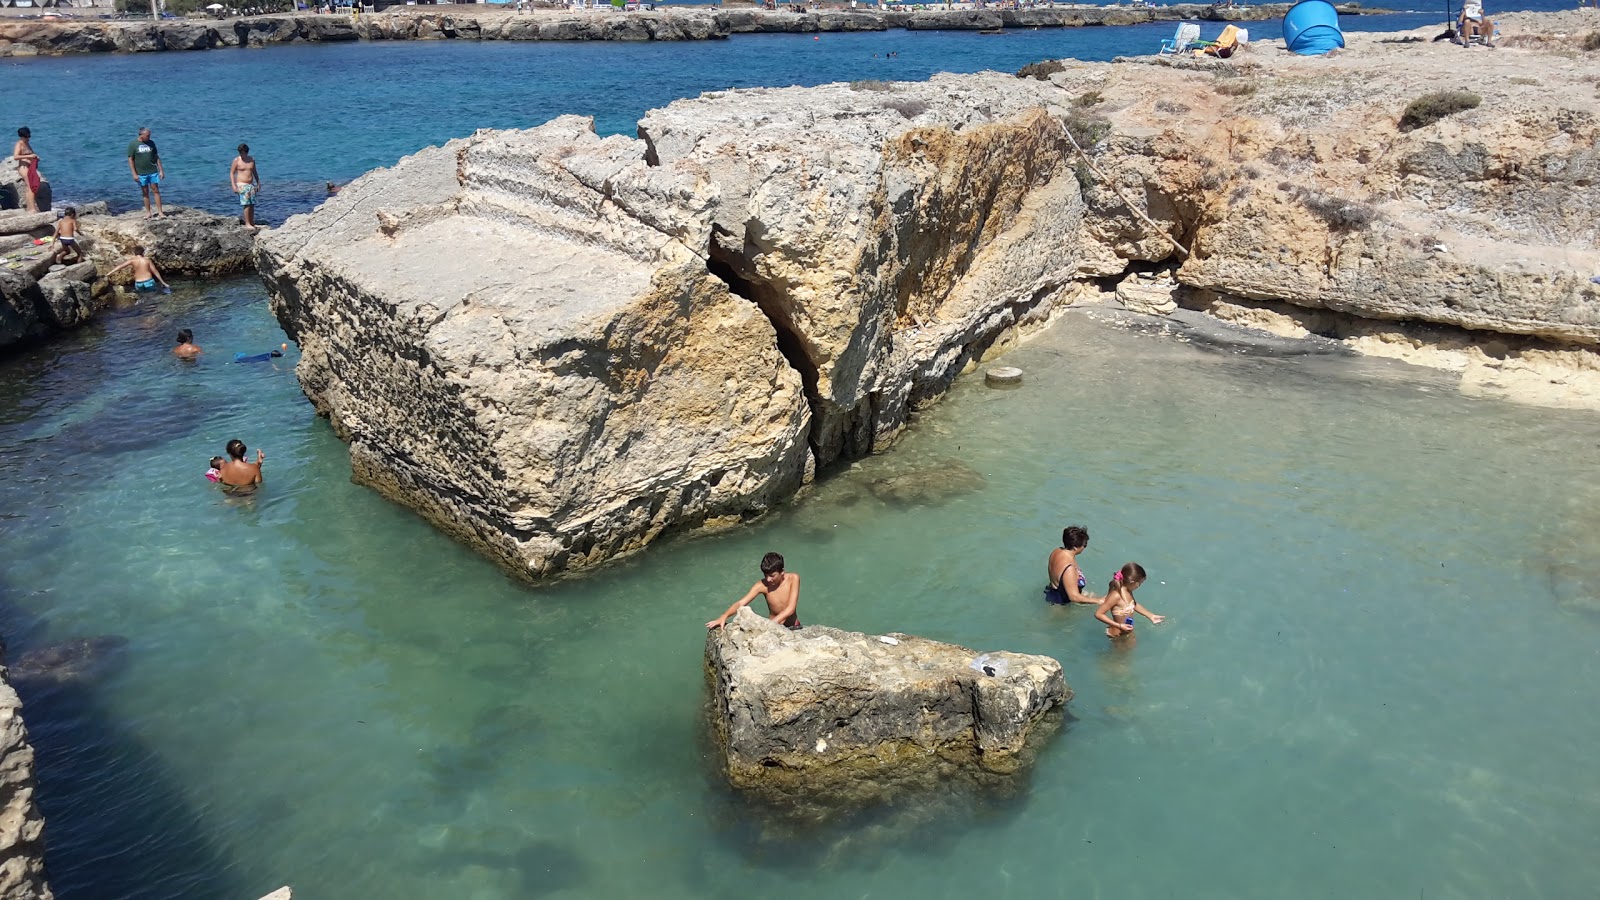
column 1377, row 679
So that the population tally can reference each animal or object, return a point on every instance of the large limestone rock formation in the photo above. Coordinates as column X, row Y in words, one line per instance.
column 22, row 874
column 557, row 346
column 820, row 717
column 518, row 336
column 816, row 263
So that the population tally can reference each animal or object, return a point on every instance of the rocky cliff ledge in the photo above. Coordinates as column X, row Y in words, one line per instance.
column 33, row 38
column 22, row 873
column 558, row 346
column 821, row 717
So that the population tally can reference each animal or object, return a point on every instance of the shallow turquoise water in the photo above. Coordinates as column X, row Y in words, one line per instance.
column 1376, row 679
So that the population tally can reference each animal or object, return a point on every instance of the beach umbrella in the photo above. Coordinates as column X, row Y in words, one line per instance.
column 215, row 6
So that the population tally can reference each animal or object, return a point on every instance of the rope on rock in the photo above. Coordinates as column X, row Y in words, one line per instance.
column 1116, row 190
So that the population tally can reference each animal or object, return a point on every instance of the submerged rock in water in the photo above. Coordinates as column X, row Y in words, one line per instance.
column 821, row 718
column 929, row 484
column 68, row 660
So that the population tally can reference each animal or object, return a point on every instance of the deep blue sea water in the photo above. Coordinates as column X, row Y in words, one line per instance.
column 1378, row 679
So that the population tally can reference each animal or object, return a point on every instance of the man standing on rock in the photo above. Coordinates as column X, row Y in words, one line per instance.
column 246, row 183
column 782, row 590
column 144, row 161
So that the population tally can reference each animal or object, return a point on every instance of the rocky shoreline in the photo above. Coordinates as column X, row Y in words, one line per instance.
column 22, row 864
column 680, row 330
column 35, row 38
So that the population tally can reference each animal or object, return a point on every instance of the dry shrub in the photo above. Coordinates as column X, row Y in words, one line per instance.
column 1042, row 70
column 1430, row 108
column 1591, row 41
column 1519, row 79
column 871, row 84
column 1236, row 87
column 1087, row 130
column 1087, row 99
column 1340, row 214
column 910, row 108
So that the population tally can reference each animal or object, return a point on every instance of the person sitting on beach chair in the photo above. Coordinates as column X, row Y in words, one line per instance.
column 1474, row 25
column 1223, row 47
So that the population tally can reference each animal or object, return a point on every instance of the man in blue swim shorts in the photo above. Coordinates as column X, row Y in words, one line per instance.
column 144, row 161
column 145, row 274
column 246, row 183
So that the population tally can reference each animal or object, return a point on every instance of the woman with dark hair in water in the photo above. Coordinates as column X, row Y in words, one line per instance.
column 186, row 346
column 1064, row 582
column 238, row 476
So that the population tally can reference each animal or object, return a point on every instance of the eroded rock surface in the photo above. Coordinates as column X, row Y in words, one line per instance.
column 821, row 716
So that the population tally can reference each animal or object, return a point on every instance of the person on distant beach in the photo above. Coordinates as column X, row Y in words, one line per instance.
column 67, row 237
column 186, row 347
column 214, row 474
column 238, row 476
column 145, row 274
column 246, row 183
column 1474, row 22
column 781, row 590
column 1118, row 607
column 27, row 167
column 144, row 161
column 1064, row 581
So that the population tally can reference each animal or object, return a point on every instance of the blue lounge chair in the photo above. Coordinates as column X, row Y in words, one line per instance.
column 1187, row 34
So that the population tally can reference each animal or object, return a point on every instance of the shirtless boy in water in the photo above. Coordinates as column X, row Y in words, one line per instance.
column 780, row 588
column 145, row 273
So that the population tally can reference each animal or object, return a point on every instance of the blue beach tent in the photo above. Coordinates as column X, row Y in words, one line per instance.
column 1311, row 28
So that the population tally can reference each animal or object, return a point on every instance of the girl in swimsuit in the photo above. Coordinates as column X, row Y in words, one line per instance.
column 1064, row 581
column 1117, row 609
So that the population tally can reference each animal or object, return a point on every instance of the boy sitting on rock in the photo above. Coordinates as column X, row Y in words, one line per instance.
column 781, row 589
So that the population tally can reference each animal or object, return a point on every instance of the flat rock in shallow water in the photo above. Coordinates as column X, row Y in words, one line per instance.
column 820, row 718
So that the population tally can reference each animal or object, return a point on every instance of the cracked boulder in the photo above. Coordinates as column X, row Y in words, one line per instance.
column 519, row 338
column 821, row 718
column 557, row 347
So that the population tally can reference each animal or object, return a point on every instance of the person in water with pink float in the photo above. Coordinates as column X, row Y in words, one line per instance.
column 1118, row 607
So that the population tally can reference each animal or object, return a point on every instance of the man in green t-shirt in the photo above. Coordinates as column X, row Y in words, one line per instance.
column 145, row 164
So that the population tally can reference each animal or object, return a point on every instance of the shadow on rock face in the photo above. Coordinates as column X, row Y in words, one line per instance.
column 929, row 484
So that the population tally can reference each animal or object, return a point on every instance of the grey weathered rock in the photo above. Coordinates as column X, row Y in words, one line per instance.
column 69, row 298
column 185, row 36
column 19, row 222
column 184, row 242
column 22, row 868
column 820, row 717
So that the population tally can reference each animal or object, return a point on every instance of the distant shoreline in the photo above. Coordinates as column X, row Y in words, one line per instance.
column 56, row 37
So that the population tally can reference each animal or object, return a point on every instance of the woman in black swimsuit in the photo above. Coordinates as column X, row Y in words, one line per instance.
column 1065, row 581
